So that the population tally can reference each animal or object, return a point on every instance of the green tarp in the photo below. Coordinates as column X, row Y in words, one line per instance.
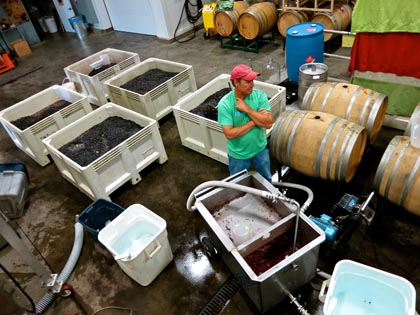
column 381, row 16
column 402, row 99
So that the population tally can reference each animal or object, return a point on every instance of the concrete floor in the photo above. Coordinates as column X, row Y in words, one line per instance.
column 392, row 242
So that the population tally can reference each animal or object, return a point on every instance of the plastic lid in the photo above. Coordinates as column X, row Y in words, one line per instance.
column 305, row 29
column 75, row 19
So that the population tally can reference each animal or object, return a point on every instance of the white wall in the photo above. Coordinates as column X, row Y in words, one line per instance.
column 167, row 14
column 104, row 22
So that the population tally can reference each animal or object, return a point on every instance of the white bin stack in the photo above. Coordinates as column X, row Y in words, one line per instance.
column 158, row 102
column 93, row 86
column 205, row 135
column 117, row 166
column 30, row 139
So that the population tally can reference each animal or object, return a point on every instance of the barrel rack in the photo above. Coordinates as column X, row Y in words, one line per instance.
column 309, row 5
column 236, row 41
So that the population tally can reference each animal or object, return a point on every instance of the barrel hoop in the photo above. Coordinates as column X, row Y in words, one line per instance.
column 257, row 19
column 293, row 133
column 395, row 166
column 352, row 101
column 324, row 102
column 335, row 142
column 349, row 147
column 281, row 137
column 366, row 107
column 410, row 181
column 322, row 145
column 375, row 109
column 306, row 97
column 383, row 163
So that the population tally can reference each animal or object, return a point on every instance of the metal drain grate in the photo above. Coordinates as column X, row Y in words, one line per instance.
column 220, row 298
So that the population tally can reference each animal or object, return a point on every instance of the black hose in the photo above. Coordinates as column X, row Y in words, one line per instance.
column 192, row 18
column 20, row 289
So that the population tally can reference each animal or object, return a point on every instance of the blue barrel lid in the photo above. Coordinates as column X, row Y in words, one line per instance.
column 305, row 29
column 76, row 18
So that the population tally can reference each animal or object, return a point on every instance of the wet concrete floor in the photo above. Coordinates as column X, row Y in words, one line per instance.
column 391, row 243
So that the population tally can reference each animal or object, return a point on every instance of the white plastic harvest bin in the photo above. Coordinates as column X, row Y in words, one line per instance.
column 205, row 135
column 92, row 86
column 138, row 240
column 359, row 289
column 159, row 101
column 30, row 139
column 120, row 164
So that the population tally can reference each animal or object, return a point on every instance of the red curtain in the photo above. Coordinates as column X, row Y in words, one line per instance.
column 397, row 53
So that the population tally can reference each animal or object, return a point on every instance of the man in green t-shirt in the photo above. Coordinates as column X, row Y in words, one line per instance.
column 244, row 114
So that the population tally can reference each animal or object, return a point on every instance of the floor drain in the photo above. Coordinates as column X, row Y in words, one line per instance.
column 220, row 298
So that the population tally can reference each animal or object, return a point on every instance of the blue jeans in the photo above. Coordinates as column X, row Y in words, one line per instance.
column 261, row 163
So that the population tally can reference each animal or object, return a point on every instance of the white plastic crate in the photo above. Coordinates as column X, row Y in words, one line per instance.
column 13, row 189
column 93, row 86
column 205, row 135
column 159, row 101
column 120, row 164
column 30, row 139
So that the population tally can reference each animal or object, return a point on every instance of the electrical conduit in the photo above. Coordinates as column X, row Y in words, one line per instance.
column 46, row 300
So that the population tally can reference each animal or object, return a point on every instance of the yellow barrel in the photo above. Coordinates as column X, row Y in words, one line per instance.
column 290, row 17
column 226, row 21
column 398, row 175
column 318, row 144
column 337, row 20
column 353, row 102
column 257, row 20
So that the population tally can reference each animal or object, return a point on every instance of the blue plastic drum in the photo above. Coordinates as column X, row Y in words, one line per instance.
column 303, row 40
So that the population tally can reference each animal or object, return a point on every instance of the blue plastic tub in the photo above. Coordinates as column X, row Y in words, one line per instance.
column 98, row 214
column 303, row 40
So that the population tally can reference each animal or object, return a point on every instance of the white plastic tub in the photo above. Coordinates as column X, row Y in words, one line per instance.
column 138, row 240
column 93, row 86
column 205, row 135
column 30, row 139
column 158, row 102
column 120, row 164
column 363, row 290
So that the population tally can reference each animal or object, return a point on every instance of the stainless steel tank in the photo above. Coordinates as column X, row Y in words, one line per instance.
column 263, row 261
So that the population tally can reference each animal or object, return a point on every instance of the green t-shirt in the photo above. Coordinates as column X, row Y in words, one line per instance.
column 255, row 140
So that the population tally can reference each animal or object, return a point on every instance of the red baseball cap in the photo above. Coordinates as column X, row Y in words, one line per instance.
column 242, row 71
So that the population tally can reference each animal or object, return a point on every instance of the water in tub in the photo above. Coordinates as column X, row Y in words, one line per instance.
column 134, row 239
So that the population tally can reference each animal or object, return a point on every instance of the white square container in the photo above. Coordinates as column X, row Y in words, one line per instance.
column 158, row 102
column 13, row 189
column 120, row 164
column 205, row 135
column 30, row 139
column 138, row 240
column 92, row 86
column 363, row 290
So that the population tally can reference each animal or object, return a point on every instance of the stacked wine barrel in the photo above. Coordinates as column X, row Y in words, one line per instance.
column 337, row 20
column 251, row 22
column 328, row 136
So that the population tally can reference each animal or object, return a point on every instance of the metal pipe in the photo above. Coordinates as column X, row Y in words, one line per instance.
column 340, row 32
column 17, row 243
column 299, row 306
column 337, row 56
column 301, row 187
